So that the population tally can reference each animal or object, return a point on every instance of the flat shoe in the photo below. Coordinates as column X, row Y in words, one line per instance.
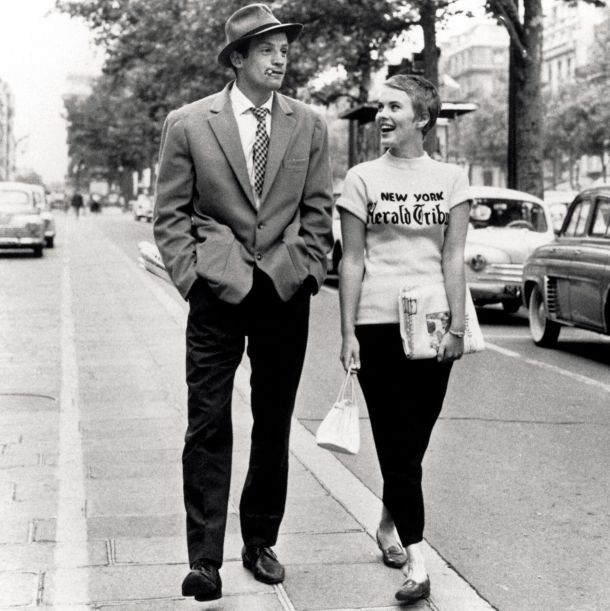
column 263, row 563
column 394, row 556
column 412, row 591
column 203, row 582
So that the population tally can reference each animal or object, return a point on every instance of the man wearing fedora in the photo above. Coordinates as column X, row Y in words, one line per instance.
column 242, row 221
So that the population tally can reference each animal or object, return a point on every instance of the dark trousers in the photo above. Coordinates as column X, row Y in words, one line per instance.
column 215, row 337
column 404, row 399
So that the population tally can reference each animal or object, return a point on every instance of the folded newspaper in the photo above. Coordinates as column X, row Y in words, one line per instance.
column 150, row 260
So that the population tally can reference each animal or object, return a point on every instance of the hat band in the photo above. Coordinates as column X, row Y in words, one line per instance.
column 258, row 29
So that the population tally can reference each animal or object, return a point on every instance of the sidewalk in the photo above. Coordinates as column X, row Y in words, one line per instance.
column 92, row 419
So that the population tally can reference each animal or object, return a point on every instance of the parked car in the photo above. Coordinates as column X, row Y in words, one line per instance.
column 567, row 282
column 558, row 203
column 143, row 208
column 21, row 222
column 505, row 227
column 41, row 201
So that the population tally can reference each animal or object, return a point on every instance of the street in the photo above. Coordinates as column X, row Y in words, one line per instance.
column 516, row 476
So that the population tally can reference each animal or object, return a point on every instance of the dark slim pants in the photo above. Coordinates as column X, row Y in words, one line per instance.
column 215, row 338
column 404, row 399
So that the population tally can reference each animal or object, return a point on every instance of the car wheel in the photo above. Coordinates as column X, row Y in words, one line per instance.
column 511, row 306
column 38, row 250
column 543, row 330
column 50, row 242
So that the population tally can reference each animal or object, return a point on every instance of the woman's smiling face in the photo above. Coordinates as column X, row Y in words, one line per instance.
column 396, row 119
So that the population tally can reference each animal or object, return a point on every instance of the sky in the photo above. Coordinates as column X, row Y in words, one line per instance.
column 39, row 48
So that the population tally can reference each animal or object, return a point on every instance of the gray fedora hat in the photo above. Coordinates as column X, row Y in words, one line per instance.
column 250, row 21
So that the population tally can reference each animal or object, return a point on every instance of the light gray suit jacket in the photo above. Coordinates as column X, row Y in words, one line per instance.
column 205, row 222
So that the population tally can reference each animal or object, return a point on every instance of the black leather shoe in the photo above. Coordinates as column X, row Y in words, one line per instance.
column 263, row 563
column 203, row 582
column 394, row 556
column 412, row 591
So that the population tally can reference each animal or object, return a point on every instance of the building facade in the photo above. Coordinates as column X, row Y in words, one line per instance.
column 477, row 59
column 569, row 31
column 7, row 134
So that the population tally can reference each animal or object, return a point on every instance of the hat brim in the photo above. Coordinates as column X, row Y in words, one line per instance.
column 292, row 33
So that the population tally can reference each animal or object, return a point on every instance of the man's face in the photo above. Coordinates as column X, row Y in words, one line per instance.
column 264, row 68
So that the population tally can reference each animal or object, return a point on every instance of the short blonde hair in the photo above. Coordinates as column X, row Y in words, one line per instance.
column 423, row 95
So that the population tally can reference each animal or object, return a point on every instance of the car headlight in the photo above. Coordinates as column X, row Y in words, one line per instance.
column 478, row 263
column 33, row 228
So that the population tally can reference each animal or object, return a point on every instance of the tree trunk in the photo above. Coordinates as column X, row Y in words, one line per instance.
column 427, row 19
column 528, row 103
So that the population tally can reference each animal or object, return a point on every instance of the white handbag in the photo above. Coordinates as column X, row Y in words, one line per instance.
column 425, row 317
column 340, row 429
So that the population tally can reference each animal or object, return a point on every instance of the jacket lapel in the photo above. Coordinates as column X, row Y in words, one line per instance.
column 225, row 129
column 282, row 126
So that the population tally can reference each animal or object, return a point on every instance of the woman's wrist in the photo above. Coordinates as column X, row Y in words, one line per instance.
column 459, row 333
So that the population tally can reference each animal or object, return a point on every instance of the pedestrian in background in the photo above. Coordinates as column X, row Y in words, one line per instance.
column 392, row 239
column 243, row 224
column 77, row 203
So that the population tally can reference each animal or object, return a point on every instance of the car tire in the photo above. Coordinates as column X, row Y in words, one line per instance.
column 38, row 250
column 511, row 306
column 50, row 242
column 544, row 331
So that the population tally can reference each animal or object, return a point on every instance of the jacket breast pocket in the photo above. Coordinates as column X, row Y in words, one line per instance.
column 296, row 164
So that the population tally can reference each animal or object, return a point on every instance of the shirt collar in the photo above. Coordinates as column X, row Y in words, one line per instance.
column 241, row 103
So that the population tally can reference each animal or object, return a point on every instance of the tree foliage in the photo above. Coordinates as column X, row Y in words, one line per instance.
column 525, row 28
column 484, row 133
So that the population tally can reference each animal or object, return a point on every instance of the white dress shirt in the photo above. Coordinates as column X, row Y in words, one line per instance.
column 247, row 124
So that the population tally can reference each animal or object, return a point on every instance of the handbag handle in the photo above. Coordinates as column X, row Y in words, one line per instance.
column 349, row 379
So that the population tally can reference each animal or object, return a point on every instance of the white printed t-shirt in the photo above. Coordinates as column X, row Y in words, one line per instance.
column 405, row 206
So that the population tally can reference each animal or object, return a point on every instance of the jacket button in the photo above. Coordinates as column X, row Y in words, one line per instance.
column 261, row 225
column 258, row 256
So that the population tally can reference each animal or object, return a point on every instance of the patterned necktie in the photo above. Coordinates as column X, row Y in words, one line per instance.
column 261, row 147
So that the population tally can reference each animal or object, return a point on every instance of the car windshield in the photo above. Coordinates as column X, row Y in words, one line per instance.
column 494, row 212
column 15, row 202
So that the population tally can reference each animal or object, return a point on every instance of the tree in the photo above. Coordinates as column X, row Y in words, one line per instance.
column 484, row 132
column 525, row 28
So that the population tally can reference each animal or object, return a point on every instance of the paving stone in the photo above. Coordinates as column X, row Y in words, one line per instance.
column 168, row 550
column 8, row 438
column 158, row 442
column 15, row 530
column 27, row 403
column 91, row 409
column 139, row 469
column 40, row 556
column 338, row 548
column 130, row 487
column 135, row 506
column 137, row 582
column 133, row 456
column 33, row 474
column 247, row 602
column 135, row 425
column 18, row 589
column 28, row 509
column 135, row 526
column 45, row 530
column 37, row 490
column 329, row 586
column 329, row 516
column 19, row 458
